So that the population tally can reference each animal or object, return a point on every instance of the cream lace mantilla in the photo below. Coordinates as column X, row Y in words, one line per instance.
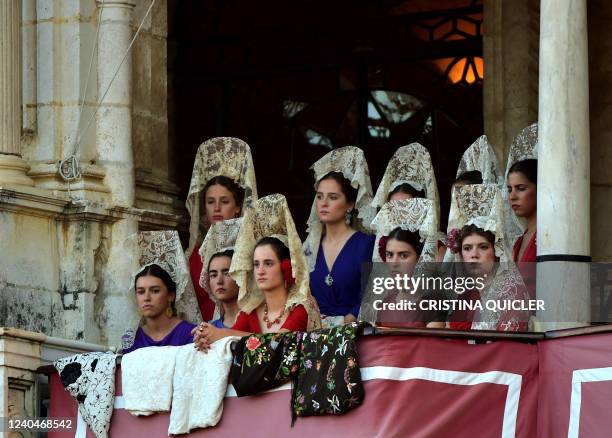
column 270, row 217
column 480, row 205
column 480, row 157
column 415, row 215
column 162, row 248
column 219, row 156
column 351, row 162
column 410, row 164
column 523, row 147
column 221, row 237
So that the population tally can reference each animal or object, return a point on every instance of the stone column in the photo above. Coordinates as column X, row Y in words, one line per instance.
column 12, row 167
column 116, row 155
column 114, row 118
column 563, row 229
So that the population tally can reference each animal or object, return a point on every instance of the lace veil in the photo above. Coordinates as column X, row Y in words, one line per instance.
column 220, row 237
column 482, row 205
column 270, row 216
column 415, row 215
column 351, row 162
column 219, row 156
column 161, row 248
column 523, row 147
column 410, row 164
column 480, row 156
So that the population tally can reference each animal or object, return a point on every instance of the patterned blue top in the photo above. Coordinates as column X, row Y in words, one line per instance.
column 344, row 294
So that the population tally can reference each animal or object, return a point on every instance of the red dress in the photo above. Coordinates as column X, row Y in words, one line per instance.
column 297, row 321
column 207, row 306
column 527, row 264
column 461, row 319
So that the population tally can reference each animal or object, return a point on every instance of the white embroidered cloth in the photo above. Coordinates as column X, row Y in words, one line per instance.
column 200, row 384
column 147, row 376
column 90, row 379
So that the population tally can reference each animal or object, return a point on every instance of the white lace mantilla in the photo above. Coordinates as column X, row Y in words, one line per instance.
column 162, row 248
column 219, row 156
column 481, row 157
column 412, row 165
column 523, row 147
column 351, row 163
column 221, row 237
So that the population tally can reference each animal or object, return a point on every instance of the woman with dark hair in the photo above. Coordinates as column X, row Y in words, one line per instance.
column 522, row 195
column 477, row 214
column 522, row 183
column 216, row 253
column 155, row 296
column 337, row 246
column 274, row 294
column 406, row 243
column 223, row 181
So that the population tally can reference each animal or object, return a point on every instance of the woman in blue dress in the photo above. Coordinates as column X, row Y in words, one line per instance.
column 337, row 246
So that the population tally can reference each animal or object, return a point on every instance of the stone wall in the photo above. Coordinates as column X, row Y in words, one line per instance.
column 64, row 270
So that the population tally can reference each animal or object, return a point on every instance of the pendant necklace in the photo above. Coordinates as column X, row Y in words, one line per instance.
column 329, row 280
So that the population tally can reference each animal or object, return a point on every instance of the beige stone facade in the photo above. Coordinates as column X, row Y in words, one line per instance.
column 63, row 268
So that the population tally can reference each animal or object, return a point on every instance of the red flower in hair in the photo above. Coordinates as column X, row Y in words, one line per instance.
column 382, row 247
column 287, row 272
column 452, row 240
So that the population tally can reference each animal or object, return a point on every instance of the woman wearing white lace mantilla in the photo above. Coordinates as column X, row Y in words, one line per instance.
column 522, row 182
column 222, row 184
column 478, row 165
column 162, row 293
column 406, row 240
column 216, row 252
column 410, row 174
column 271, row 271
column 337, row 244
column 478, row 240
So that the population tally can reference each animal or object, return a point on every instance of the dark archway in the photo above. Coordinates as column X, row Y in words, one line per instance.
column 295, row 79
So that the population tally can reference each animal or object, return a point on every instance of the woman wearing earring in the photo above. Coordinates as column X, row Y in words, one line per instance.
column 477, row 214
column 337, row 246
column 272, row 275
column 163, row 294
column 222, row 183
column 522, row 184
column 217, row 252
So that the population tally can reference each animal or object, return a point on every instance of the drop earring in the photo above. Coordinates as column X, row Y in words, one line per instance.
column 347, row 217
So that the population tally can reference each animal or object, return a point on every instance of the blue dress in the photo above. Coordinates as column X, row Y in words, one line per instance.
column 344, row 294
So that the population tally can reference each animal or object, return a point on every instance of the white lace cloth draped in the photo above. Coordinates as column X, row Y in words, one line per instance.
column 90, row 379
column 351, row 163
column 147, row 376
column 200, row 384
column 219, row 156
